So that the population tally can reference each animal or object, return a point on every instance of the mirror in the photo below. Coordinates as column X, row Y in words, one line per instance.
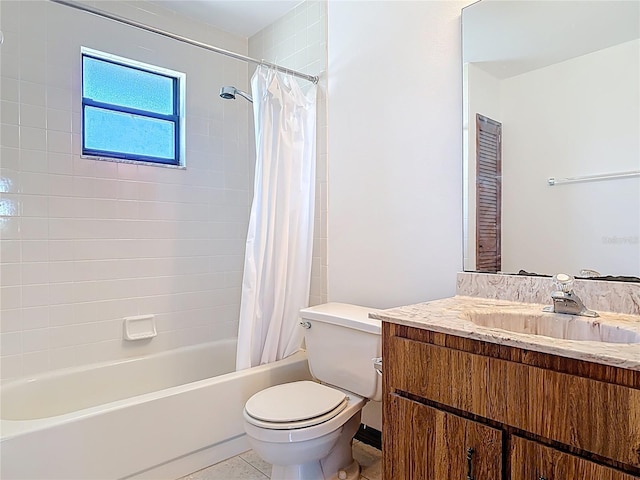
column 552, row 137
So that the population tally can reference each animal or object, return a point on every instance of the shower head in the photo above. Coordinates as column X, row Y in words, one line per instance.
column 229, row 93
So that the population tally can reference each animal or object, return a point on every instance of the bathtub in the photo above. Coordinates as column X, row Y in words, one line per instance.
column 161, row 416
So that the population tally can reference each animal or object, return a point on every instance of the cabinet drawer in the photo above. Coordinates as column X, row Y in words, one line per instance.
column 533, row 461
column 594, row 416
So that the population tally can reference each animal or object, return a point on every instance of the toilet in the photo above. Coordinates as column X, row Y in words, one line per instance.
column 305, row 429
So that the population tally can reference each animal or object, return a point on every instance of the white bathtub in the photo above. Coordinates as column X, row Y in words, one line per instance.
column 156, row 417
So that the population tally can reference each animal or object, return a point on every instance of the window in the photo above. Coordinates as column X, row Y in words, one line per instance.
column 131, row 110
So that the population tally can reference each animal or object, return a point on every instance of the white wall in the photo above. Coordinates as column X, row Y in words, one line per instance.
column 395, row 158
column 85, row 242
column 579, row 117
column 299, row 41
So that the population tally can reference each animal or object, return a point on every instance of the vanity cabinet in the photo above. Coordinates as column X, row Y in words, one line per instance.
column 525, row 414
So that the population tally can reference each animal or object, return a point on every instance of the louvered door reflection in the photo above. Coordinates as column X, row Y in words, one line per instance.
column 488, row 193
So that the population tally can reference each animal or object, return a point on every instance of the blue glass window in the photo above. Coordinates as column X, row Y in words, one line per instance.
column 128, row 111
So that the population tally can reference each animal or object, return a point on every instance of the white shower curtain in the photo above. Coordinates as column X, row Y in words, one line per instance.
column 277, row 265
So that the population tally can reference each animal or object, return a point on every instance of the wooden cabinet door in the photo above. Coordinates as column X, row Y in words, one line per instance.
column 424, row 443
column 533, row 461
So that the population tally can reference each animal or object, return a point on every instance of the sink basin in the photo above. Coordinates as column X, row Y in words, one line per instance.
column 565, row 327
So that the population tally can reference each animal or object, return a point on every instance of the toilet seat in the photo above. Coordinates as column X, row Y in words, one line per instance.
column 291, row 435
column 294, row 405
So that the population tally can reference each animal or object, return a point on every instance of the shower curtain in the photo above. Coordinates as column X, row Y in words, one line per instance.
column 277, row 266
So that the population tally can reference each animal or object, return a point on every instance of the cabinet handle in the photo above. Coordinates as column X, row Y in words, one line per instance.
column 542, row 478
column 470, row 452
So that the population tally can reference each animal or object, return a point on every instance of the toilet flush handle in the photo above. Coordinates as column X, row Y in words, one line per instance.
column 377, row 364
column 306, row 324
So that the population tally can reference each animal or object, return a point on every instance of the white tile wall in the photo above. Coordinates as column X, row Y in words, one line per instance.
column 299, row 41
column 85, row 243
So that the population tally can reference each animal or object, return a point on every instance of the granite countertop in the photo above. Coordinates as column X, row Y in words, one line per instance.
column 453, row 316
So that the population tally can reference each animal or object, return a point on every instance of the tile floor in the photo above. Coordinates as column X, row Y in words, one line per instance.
column 248, row 466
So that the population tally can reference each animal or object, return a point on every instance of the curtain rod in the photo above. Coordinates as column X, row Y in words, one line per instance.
column 180, row 38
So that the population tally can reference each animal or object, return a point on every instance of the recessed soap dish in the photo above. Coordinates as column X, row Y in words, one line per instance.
column 139, row 327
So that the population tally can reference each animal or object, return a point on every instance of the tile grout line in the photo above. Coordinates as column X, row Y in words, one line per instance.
column 253, row 466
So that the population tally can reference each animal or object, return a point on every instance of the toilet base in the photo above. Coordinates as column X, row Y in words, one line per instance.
column 313, row 471
column 339, row 458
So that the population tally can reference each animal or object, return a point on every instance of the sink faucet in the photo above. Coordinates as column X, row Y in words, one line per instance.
column 565, row 300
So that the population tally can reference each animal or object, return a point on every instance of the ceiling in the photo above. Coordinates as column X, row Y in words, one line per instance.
column 507, row 38
column 244, row 18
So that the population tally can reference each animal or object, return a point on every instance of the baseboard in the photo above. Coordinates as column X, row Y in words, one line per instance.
column 370, row 436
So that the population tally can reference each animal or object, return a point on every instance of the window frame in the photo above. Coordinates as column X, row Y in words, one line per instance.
column 177, row 117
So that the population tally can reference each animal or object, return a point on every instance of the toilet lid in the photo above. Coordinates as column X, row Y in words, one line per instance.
column 294, row 402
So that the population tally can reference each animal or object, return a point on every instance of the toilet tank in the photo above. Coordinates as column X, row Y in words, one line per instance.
column 341, row 343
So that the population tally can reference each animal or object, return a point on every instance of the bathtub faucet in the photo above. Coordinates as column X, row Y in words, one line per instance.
column 565, row 300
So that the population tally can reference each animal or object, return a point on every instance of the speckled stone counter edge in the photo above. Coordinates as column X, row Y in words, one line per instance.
column 451, row 316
